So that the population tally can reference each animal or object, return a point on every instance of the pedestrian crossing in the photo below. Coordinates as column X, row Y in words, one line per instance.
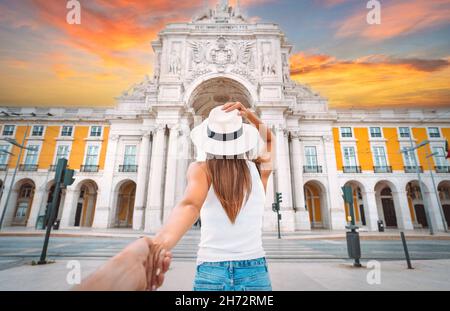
column 187, row 248
column 275, row 249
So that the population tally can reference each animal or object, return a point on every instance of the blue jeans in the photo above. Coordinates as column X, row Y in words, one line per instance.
column 241, row 275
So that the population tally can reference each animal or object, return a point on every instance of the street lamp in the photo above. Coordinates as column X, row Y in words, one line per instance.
column 441, row 210
column 425, row 204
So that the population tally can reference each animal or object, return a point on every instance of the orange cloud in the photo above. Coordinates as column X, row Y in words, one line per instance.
column 398, row 18
column 110, row 34
column 375, row 80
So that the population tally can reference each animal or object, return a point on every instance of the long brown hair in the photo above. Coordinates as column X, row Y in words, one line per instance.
column 232, row 183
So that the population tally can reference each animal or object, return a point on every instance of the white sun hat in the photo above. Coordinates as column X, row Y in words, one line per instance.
column 224, row 134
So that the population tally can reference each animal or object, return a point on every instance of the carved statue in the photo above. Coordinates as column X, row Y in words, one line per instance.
column 268, row 67
column 223, row 5
column 156, row 71
column 175, row 64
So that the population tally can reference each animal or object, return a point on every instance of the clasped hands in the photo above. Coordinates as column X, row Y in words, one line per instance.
column 140, row 266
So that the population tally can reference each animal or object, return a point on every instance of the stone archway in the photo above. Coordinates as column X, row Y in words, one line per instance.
column 387, row 204
column 217, row 91
column 444, row 196
column 50, row 188
column 359, row 203
column 24, row 191
column 316, row 204
column 86, row 202
column 125, row 204
column 416, row 203
column 211, row 93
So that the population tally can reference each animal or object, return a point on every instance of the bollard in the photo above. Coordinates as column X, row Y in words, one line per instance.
column 405, row 248
column 354, row 247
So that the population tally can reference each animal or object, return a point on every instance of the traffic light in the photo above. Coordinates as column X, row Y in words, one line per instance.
column 60, row 168
column 275, row 207
column 68, row 177
column 279, row 197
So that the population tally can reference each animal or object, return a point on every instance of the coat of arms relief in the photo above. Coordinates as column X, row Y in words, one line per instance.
column 221, row 56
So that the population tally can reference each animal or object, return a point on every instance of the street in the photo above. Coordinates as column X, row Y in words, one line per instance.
column 295, row 263
column 286, row 249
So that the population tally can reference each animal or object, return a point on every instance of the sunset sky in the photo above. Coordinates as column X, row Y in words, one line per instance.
column 404, row 62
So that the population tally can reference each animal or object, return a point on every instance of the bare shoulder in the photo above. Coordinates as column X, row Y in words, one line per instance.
column 197, row 170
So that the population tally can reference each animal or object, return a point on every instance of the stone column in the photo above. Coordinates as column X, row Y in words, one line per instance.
column 283, row 179
column 70, row 206
column 336, row 207
column 402, row 210
column 171, row 171
column 11, row 208
column 142, row 179
column 184, row 158
column 302, row 221
column 36, row 206
column 155, row 184
column 104, row 211
column 370, row 207
column 435, row 214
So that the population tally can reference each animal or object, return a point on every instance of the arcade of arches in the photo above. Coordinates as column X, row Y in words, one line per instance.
column 387, row 200
column 315, row 200
column 86, row 195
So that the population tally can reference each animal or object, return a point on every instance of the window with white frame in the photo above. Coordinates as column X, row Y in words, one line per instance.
column 433, row 132
column 62, row 152
column 8, row 130
column 311, row 156
column 130, row 155
column 4, row 149
column 375, row 132
column 349, row 156
column 92, row 155
column 379, row 155
column 404, row 132
column 32, row 155
column 439, row 157
column 96, row 131
column 346, row 132
column 408, row 157
column 66, row 131
column 37, row 130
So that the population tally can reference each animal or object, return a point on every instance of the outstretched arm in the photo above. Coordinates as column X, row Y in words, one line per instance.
column 185, row 213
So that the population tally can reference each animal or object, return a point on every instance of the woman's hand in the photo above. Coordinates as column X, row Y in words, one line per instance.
column 140, row 266
column 242, row 110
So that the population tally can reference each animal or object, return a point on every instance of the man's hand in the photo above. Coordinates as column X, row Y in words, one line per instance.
column 140, row 266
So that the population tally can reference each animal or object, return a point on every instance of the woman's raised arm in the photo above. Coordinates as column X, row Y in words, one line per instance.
column 267, row 157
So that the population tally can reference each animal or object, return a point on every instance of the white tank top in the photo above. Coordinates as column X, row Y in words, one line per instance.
column 223, row 241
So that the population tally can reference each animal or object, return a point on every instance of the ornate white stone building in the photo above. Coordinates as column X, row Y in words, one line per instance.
column 131, row 159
